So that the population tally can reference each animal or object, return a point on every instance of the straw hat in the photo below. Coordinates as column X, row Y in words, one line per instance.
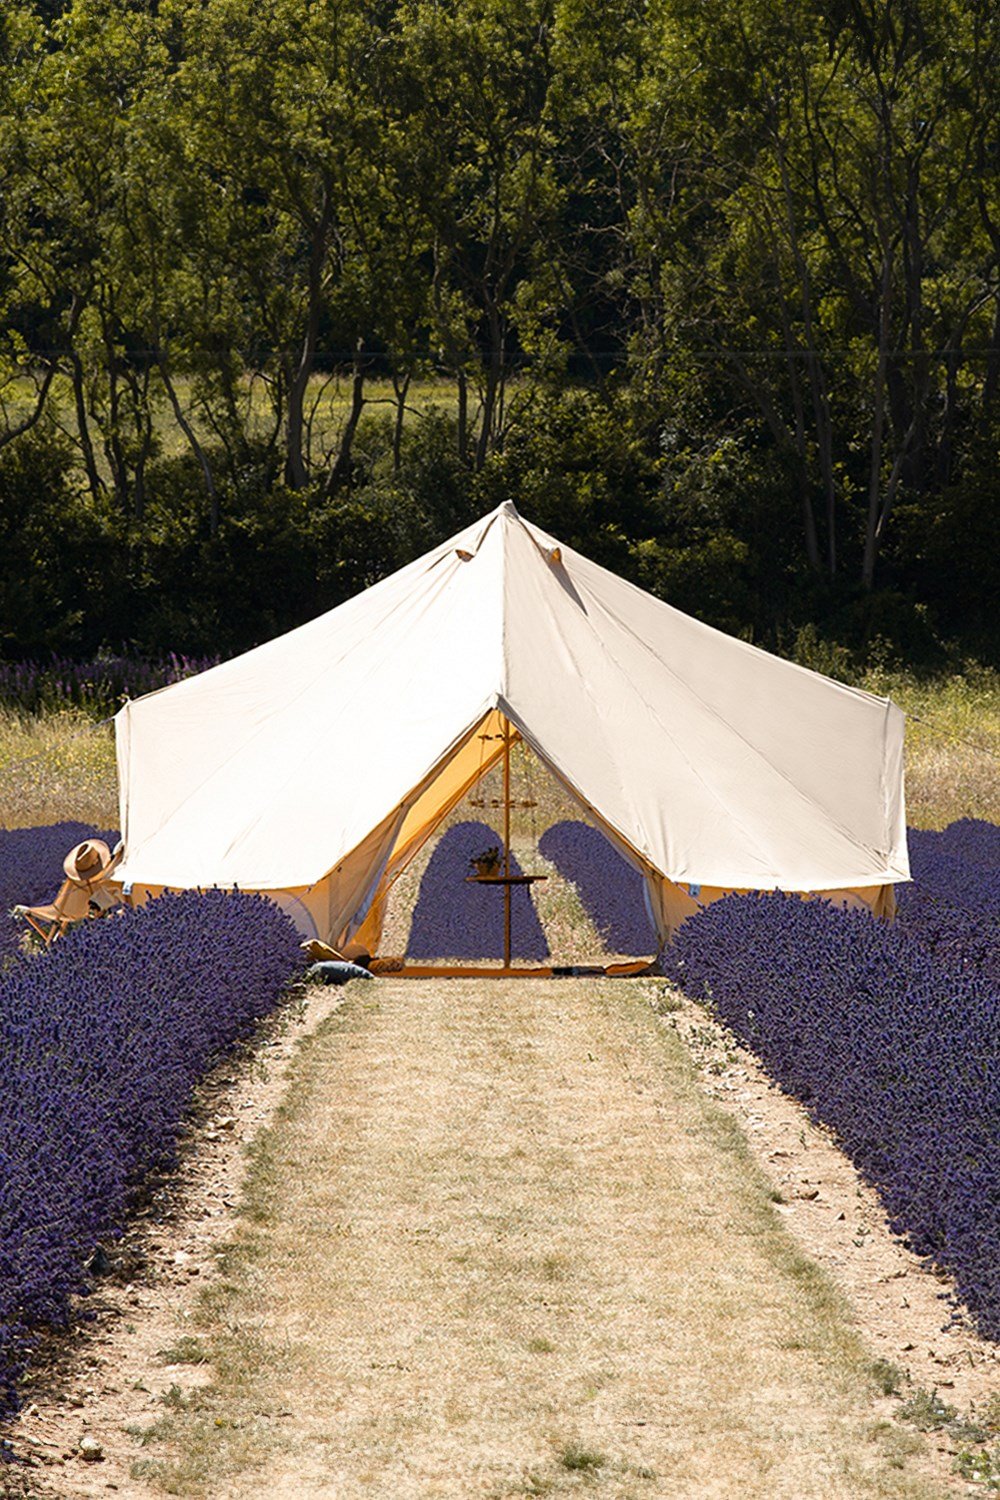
column 89, row 863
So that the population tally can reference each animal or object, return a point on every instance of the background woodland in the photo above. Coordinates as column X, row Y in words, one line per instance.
column 291, row 290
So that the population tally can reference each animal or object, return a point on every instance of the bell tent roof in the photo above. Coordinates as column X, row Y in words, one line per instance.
column 711, row 760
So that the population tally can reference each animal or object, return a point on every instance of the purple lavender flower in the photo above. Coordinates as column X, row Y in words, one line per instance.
column 455, row 919
column 610, row 890
column 102, row 1040
column 892, row 1044
column 97, row 686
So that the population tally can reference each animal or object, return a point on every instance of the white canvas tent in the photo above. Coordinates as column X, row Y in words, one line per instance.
column 315, row 766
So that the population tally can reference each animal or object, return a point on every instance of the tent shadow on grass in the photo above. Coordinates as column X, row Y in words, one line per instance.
column 453, row 919
column 610, row 890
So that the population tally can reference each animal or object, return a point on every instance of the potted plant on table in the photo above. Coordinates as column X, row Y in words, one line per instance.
column 487, row 863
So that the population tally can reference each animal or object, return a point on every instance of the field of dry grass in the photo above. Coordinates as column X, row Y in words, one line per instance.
column 328, row 403
column 55, row 768
column 497, row 1243
column 952, row 744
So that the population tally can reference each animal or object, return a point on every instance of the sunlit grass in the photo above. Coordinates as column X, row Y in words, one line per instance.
column 952, row 743
column 328, row 404
column 465, row 1249
column 55, row 767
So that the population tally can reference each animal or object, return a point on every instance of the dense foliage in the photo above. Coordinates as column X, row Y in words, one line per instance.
column 101, row 1043
column 889, row 1034
column 31, row 872
column 712, row 289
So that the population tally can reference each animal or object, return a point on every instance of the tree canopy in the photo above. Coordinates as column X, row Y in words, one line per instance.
column 714, row 288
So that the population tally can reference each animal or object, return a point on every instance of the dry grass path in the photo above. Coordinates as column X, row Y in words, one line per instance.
column 497, row 1243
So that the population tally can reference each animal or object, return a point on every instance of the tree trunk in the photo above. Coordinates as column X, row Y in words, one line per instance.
column 494, row 370
column 342, row 465
column 193, row 443
column 878, row 430
column 400, row 388
column 817, row 380
column 824, row 436
column 27, row 422
column 112, row 438
column 991, row 381
column 143, row 419
column 94, row 480
column 296, row 467
column 462, row 416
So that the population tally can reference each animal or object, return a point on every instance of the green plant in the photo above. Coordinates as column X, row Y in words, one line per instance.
column 988, row 1415
column 927, row 1412
column 982, row 1467
column 888, row 1377
column 581, row 1460
column 188, row 1350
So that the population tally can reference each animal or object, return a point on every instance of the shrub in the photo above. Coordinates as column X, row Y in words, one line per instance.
column 102, row 1041
column 610, row 890
column 97, row 686
column 56, row 550
column 893, row 1046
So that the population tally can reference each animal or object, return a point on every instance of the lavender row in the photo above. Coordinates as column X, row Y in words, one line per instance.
column 893, row 1047
column 610, row 890
column 455, row 919
column 102, row 1041
column 953, row 905
column 96, row 686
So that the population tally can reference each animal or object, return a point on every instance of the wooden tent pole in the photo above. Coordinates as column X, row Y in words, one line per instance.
column 506, row 842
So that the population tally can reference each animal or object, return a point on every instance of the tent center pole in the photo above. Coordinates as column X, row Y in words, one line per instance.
column 506, row 842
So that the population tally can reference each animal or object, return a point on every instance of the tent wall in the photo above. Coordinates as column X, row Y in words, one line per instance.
column 672, row 904
column 347, row 906
column 696, row 754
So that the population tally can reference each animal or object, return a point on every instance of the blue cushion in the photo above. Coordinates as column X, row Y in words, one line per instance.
column 333, row 971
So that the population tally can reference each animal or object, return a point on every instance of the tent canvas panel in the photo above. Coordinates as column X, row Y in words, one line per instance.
column 318, row 764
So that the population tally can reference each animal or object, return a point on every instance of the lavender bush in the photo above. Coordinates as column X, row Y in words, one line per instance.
column 31, row 871
column 610, row 890
column 102, row 1041
column 953, row 905
column 452, row 919
column 895, row 1049
column 96, row 686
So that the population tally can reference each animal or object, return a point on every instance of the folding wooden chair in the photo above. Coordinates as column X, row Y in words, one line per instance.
column 72, row 904
column 84, row 893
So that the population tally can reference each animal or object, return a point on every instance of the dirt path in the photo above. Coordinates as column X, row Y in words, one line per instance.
column 498, row 1244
